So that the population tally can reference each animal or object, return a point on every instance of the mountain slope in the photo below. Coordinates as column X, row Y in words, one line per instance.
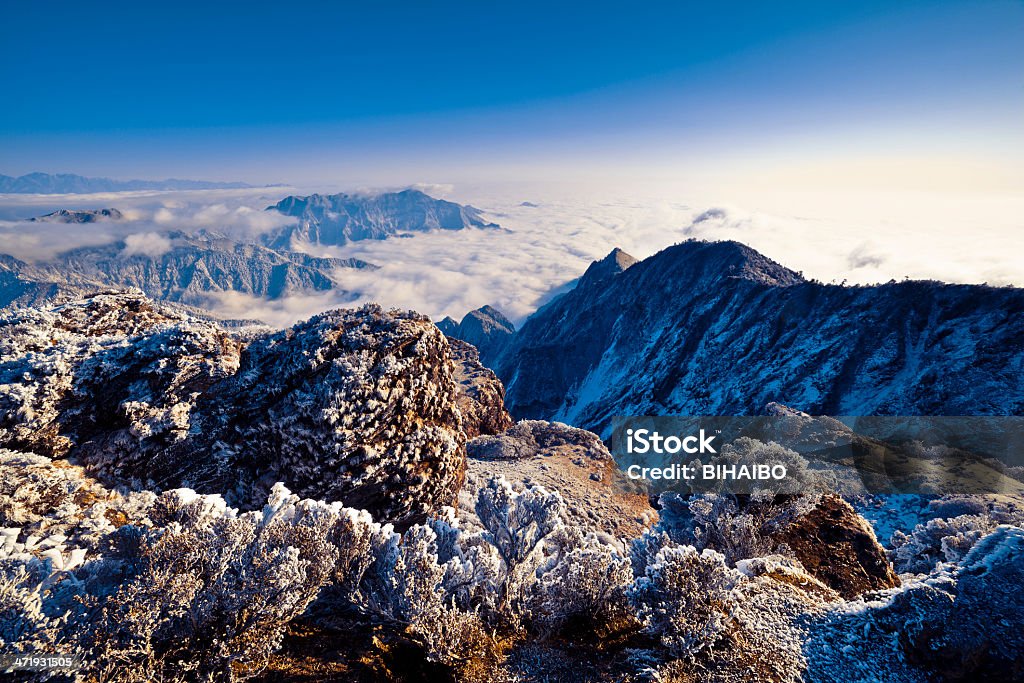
column 719, row 329
column 486, row 328
column 180, row 267
column 341, row 218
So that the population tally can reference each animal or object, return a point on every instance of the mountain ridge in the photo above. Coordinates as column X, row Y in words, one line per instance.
column 183, row 268
column 341, row 218
column 716, row 328
column 70, row 183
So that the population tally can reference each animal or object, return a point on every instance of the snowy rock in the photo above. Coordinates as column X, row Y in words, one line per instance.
column 353, row 406
column 838, row 547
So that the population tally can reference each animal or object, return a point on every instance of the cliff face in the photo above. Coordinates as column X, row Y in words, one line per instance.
column 356, row 406
column 718, row 329
column 481, row 396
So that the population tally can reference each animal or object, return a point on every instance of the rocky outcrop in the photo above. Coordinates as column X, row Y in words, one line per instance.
column 342, row 218
column 561, row 458
column 611, row 265
column 355, row 406
column 481, row 396
column 715, row 328
column 838, row 547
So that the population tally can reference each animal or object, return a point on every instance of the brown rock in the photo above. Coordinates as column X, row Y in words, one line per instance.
column 564, row 459
column 481, row 395
column 838, row 547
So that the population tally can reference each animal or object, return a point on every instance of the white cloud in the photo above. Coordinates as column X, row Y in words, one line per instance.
column 151, row 244
column 238, row 214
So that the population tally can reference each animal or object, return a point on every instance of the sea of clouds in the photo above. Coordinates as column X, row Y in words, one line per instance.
column 548, row 237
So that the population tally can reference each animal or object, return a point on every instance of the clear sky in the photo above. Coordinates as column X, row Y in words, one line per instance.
column 924, row 95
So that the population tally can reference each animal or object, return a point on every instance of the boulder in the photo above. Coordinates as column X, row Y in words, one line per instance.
column 357, row 406
column 838, row 547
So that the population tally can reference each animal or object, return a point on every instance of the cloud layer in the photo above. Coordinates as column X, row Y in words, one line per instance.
column 550, row 236
column 237, row 214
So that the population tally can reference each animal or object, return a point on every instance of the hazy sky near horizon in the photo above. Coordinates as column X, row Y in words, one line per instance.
column 731, row 97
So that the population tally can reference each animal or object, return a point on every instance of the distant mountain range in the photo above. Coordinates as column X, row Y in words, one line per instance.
column 185, row 268
column 342, row 218
column 716, row 328
column 69, row 183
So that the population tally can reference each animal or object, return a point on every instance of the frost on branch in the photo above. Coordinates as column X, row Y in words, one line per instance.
column 412, row 585
column 960, row 523
column 800, row 479
column 214, row 590
column 686, row 598
column 517, row 524
column 582, row 589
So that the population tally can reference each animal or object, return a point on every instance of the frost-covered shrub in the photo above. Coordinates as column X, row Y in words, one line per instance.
column 717, row 522
column 583, row 587
column 956, row 506
column 800, row 479
column 938, row 540
column 418, row 581
column 214, row 591
column 524, row 570
column 25, row 628
column 517, row 525
column 741, row 525
column 966, row 622
column 686, row 598
column 957, row 523
column 739, row 521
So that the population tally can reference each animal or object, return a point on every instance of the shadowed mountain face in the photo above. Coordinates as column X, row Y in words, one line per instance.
column 486, row 328
column 341, row 218
column 719, row 329
column 190, row 269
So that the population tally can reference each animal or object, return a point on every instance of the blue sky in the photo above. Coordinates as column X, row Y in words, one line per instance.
column 415, row 91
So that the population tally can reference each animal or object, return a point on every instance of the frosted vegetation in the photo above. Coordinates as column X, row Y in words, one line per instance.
column 180, row 587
